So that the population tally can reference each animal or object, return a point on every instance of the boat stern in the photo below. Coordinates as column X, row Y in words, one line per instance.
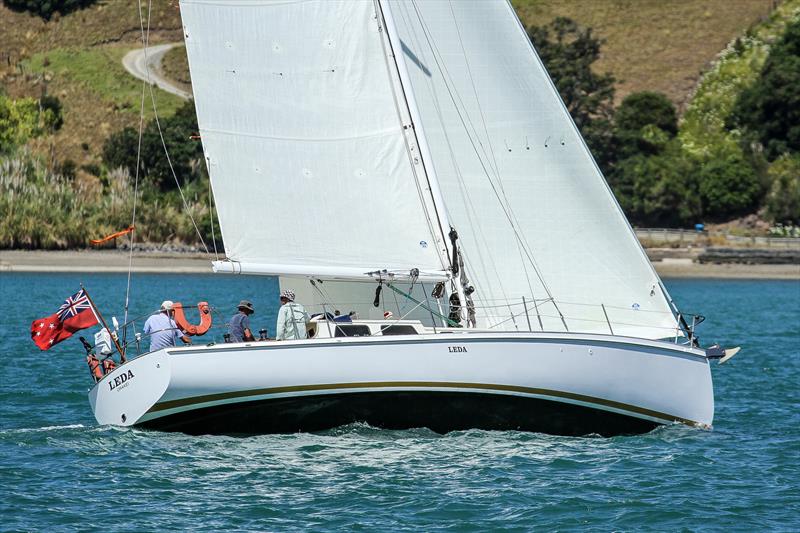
column 127, row 393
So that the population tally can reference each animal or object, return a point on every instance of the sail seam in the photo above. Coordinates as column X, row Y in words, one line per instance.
column 382, row 133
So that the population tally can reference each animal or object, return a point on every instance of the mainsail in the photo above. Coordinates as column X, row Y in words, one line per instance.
column 535, row 216
column 306, row 153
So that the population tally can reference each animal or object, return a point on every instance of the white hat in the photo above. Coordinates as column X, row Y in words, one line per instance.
column 288, row 294
column 166, row 305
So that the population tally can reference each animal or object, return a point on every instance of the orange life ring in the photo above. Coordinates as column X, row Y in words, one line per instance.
column 192, row 329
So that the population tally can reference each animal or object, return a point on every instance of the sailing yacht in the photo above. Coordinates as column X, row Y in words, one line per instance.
column 412, row 157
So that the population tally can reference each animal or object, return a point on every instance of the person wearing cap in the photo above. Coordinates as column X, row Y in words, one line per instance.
column 292, row 318
column 162, row 329
column 240, row 323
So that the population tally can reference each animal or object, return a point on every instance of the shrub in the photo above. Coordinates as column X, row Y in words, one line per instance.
column 46, row 8
column 658, row 190
column 19, row 121
column 643, row 124
column 769, row 110
column 729, row 187
column 41, row 209
column 52, row 105
column 783, row 197
column 120, row 149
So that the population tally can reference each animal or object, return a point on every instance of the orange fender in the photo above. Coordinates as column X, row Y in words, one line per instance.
column 108, row 365
column 192, row 329
column 94, row 367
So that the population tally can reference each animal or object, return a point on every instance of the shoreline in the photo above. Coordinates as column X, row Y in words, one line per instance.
column 112, row 261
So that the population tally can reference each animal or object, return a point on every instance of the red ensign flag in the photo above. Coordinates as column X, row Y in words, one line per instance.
column 75, row 314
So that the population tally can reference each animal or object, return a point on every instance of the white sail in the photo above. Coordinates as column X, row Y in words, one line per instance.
column 305, row 148
column 518, row 181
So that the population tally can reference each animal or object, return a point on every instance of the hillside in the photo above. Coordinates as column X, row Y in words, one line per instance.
column 78, row 59
column 652, row 44
column 649, row 45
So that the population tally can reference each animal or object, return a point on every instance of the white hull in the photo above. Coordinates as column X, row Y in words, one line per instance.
column 559, row 383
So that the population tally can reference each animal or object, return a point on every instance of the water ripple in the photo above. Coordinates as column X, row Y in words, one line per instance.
column 59, row 471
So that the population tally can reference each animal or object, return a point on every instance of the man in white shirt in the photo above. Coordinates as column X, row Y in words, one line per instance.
column 292, row 318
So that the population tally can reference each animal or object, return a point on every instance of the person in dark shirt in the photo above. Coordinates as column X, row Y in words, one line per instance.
column 240, row 323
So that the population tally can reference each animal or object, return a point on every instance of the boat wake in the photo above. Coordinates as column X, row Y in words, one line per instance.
column 40, row 429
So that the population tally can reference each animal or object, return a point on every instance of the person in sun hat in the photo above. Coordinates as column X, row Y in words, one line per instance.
column 239, row 325
column 292, row 318
column 162, row 329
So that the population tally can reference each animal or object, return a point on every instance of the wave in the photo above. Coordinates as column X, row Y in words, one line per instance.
column 40, row 429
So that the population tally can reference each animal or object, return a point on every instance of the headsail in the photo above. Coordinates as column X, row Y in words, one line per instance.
column 535, row 216
column 306, row 152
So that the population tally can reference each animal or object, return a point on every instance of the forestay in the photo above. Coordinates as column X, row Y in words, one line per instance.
column 518, row 180
column 305, row 149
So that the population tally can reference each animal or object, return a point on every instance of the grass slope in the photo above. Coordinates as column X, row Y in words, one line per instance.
column 175, row 66
column 654, row 45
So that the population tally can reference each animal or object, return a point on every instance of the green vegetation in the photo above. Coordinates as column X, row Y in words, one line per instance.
column 100, row 74
column 186, row 155
column 25, row 119
column 47, row 208
column 41, row 209
column 657, row 190
column 729, row 155
column 666, row 174
column 643, row 124
column 783, row 197
column 769, row 110
column 46, row 8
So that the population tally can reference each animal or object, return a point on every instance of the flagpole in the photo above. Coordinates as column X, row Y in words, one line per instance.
column 103, row 322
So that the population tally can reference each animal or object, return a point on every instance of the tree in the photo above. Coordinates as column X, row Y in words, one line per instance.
column 120, row 149
column 46, row 8
column 568, row 51
column 729, row 187
column 783, row 198
column 643, row 124
column 658, row 190
column 769, row 110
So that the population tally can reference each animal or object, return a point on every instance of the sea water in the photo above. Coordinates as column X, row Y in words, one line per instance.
column 59, row 470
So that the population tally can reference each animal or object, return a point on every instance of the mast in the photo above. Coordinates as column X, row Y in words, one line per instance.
column 436, row 203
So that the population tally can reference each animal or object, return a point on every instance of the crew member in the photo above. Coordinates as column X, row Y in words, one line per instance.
column 163, row 330
column 292, row 318
column 240, row 323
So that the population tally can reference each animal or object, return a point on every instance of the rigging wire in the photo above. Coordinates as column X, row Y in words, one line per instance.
column 164, row 143
column 131, row 237
column 172, row 169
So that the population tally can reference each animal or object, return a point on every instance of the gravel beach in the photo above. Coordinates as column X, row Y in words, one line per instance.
column 199, row 263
